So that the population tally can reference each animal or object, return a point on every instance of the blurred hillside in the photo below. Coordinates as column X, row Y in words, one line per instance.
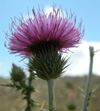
column 66, row 89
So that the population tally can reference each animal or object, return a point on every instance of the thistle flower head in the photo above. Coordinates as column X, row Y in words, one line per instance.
column 44, row 37
column 44, row 31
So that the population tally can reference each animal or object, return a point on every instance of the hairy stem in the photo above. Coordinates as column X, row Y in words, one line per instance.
column 51, row 95
column 88, row 86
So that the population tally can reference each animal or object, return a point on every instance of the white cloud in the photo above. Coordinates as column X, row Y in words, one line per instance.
column 50, row 10
column 80, row 59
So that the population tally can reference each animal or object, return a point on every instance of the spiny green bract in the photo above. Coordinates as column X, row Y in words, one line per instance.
column 49, row 65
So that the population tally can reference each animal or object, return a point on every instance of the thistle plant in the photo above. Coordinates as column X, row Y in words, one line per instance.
column 71, row 106
column 88, row 86
column 45, row 37
column 29, row 89
column 20, row 82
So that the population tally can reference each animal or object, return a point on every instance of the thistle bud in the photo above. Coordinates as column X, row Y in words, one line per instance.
column 17, row 74
column 71, row 106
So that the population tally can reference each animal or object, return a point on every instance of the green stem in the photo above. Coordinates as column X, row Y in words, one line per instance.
column 51, row 95
column 29, row 102
column 88, row 86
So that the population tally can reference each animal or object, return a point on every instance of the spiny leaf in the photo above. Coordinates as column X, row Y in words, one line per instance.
column 7, row 85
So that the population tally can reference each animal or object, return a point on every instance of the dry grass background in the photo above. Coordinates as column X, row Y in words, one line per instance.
column 10, row 100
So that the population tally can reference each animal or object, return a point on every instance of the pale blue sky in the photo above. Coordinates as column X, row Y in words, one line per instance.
column 87, row 10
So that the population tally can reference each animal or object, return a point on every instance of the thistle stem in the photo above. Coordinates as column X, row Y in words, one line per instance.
column 88, row 86
column 29, row 103
column 51, row 95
